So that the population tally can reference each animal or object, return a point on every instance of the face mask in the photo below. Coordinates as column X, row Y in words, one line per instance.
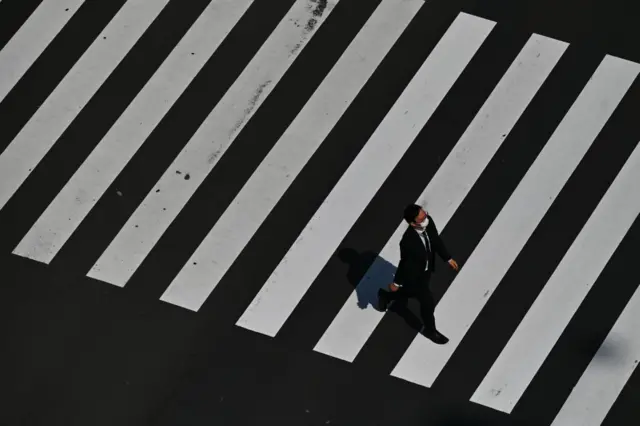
column 424, row 223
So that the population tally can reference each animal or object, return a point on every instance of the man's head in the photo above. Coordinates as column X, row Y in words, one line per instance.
column 415, row 216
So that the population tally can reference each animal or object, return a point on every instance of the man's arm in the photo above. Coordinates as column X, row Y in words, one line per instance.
column 399, row 278
column 440, row 247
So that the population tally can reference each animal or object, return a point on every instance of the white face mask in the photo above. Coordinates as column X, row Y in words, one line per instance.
column 424, row 223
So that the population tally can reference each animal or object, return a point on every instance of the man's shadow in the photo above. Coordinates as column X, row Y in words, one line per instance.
column 368, row 272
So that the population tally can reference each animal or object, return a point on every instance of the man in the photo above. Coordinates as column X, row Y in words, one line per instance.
column 418, row 246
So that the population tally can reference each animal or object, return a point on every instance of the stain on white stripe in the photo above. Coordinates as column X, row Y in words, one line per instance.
column 163, row 203
column 72, row 94
column 562, row 295
column 515, row 223
column 603, row 380
column 353, row 325
column 31, row 39
column 315, row 245
column 280, row 167
column 126, row 136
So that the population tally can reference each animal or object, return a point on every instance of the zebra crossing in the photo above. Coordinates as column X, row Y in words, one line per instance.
column 129, row 132
column 284, row 162
column 359, row 183
column 455, row 177
column 31, row 39
column 518, row 218
column 61, row 107
column 385, row 156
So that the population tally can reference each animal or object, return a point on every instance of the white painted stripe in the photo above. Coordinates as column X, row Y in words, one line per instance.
column 127, row 135
column 317, row 242
column 603, row 381
column 562, row 295
column 280, row 167
column 31, row 39
column 511, row 229
column 72, row 94
column 353, row 325
column 147, row 224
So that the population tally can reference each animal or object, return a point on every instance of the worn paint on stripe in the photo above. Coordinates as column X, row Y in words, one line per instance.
column 72, row 94
column 294, row 275
column 280, row 167
column 126, row 136
column 163, row 203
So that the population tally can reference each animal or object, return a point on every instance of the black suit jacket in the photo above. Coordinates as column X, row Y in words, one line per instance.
column 413, row 255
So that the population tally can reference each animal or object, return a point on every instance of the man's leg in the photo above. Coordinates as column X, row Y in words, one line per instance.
column 427, row 308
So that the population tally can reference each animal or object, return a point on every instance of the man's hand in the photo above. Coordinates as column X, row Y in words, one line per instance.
column 394, row 287
column 453, row 264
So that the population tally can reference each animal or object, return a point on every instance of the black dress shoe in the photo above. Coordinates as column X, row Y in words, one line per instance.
column 435, row 336
column 382, row 300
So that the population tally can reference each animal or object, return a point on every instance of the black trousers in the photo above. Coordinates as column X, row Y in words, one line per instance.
column 419, row 291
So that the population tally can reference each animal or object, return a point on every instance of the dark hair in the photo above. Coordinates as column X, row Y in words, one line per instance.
column 411, row 212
